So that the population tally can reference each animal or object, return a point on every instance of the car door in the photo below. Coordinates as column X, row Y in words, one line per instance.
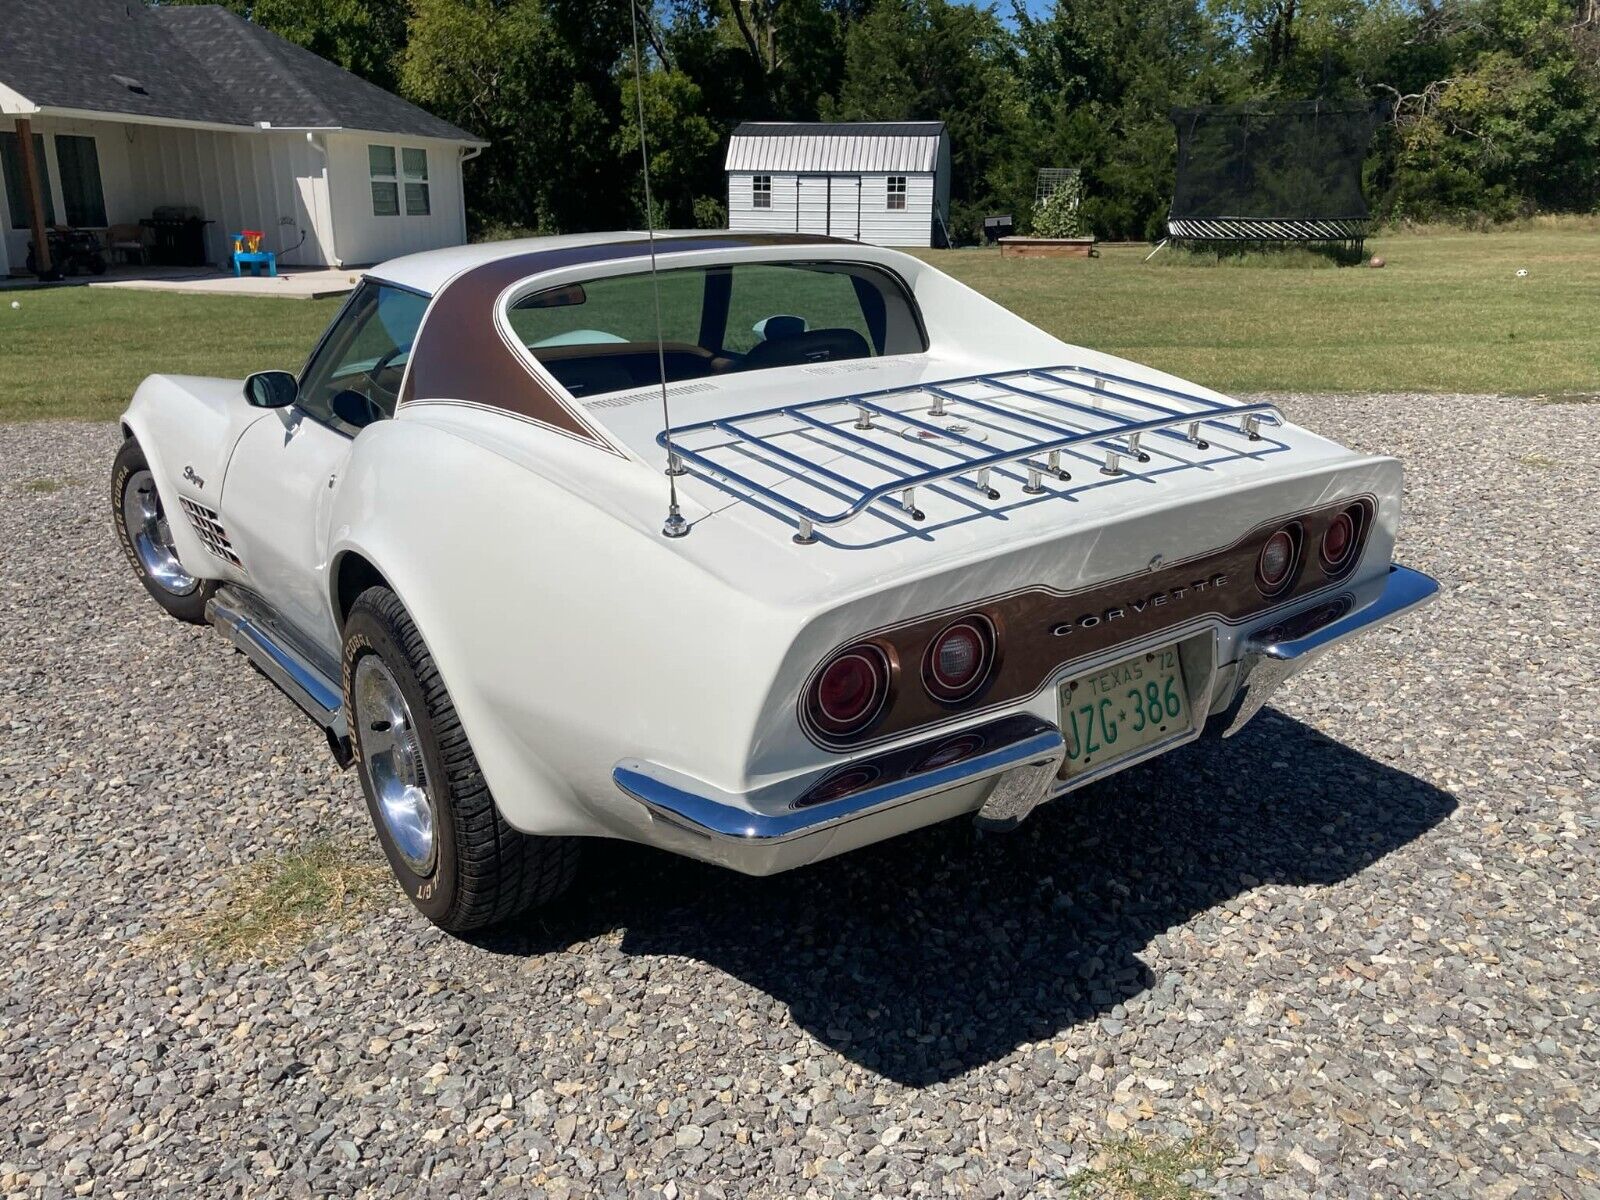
column 281, row 481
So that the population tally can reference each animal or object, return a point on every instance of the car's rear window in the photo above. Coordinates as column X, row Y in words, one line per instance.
column 599, row 335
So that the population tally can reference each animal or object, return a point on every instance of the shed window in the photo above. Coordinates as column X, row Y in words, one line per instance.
column 897, row 192
column 16, row 194
column 385, row 181
column 761, row 191
column 414, row 163
column 85, row 199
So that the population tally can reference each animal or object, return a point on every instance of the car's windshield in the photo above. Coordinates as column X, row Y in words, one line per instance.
column 599, row 335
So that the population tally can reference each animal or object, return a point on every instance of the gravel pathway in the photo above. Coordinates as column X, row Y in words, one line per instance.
column 1357, row 948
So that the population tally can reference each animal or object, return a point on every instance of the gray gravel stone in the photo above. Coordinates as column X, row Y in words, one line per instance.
column 1358, row 945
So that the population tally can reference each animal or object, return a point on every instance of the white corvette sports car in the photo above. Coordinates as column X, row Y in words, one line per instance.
column 837, row 549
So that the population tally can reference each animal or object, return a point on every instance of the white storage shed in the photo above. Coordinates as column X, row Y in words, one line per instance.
column 882, row 182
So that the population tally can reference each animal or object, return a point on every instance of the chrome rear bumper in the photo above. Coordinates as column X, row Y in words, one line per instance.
column 1292, row 643
column 1000, row 770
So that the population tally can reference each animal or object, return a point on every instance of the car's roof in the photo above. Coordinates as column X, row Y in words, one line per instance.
column 432, row 269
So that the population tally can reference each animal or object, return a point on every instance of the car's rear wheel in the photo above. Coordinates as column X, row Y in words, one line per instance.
column 146, row 536
column 457, row 859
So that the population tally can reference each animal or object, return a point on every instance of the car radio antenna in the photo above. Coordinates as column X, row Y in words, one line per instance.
column 674, row 526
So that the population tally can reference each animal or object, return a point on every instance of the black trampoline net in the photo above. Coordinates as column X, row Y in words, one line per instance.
column 1295, row 166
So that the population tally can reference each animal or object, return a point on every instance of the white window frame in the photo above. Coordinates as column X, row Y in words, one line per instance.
column 761, row 191
column 390, row 179
column 410, row 179
column 896, row 191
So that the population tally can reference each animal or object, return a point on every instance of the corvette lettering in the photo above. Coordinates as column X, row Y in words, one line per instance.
column 1132, row 607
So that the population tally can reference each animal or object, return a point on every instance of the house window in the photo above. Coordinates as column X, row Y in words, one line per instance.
column 16, row 194
column 414, row 163
column 79, row 161
column 761, row 191
column 897, row 191
column 385, row 181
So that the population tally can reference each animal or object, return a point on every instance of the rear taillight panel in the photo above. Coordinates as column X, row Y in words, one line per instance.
column 919, row 673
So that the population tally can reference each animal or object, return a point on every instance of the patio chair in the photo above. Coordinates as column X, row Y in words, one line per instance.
column 127, row 241
column 247, row 251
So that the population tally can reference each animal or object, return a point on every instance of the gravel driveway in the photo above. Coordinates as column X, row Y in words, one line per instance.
column 1356, row 950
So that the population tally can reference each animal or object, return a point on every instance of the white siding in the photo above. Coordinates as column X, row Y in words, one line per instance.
column 265, row 181
column 811, row 204
column 744, row 217
column 363, row 237
column 844, row 206
column 885, row 226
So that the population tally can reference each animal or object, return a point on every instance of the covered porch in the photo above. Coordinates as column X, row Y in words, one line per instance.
column 111, row 173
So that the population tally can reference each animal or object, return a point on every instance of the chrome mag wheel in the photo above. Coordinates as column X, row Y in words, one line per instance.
column 151, row 536
column 391, row 754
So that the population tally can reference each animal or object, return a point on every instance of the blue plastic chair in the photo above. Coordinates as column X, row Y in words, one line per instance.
column 254, row 259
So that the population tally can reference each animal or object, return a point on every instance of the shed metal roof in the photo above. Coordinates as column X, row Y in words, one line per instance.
column 197, row 63
column 849, row 146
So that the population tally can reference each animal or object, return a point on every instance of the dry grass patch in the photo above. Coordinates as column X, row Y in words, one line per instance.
column 45, row 487
column 1137, row 1168
column 273, row 908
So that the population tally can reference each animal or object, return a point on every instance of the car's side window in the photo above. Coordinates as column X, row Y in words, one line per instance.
column 364, row 355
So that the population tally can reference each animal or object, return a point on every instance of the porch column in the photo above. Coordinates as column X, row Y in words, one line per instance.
column 30, row 184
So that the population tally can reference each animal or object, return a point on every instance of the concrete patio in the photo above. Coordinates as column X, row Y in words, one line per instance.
column 290, row 283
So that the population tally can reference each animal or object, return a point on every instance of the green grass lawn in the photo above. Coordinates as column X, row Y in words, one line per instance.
column 79, row 352
column 1447, row 314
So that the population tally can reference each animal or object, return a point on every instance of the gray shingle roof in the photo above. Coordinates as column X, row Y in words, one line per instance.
column 193, row 63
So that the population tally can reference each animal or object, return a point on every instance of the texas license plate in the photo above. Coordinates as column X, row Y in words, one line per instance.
column 1122, row 708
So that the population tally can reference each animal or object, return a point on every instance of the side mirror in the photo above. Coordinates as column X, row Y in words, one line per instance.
column 271, row 389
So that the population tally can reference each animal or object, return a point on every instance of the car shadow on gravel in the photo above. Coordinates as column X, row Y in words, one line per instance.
column 926, row 956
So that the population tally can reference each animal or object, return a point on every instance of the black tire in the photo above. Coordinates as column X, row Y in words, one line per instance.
column 97, row 264
column 187, row 605
column 483, row 872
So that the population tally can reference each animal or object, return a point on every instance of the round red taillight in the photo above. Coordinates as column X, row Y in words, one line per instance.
column 959, row 659
column 850, row 690
column 1339, row 542
column 1275, row 567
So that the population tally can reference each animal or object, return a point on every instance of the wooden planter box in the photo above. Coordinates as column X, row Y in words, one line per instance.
column 1034, row 247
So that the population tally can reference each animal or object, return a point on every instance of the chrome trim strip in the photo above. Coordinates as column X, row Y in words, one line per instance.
column 317, row 695
column 1403, row 590
column 769, row 815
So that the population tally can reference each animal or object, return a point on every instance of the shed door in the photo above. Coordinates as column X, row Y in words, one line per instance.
column 811, row 206
column 844, row 206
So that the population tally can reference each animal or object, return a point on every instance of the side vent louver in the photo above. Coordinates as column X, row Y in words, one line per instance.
column 210, row 530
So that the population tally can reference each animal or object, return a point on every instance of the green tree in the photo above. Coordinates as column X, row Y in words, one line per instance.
column 682, row 142
column 509, row 71
column 932, row 60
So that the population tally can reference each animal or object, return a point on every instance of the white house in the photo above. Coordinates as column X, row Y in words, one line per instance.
column 112, row 111
column 884, row 182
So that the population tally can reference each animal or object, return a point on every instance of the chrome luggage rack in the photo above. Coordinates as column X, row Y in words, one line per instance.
column 1030, row 430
